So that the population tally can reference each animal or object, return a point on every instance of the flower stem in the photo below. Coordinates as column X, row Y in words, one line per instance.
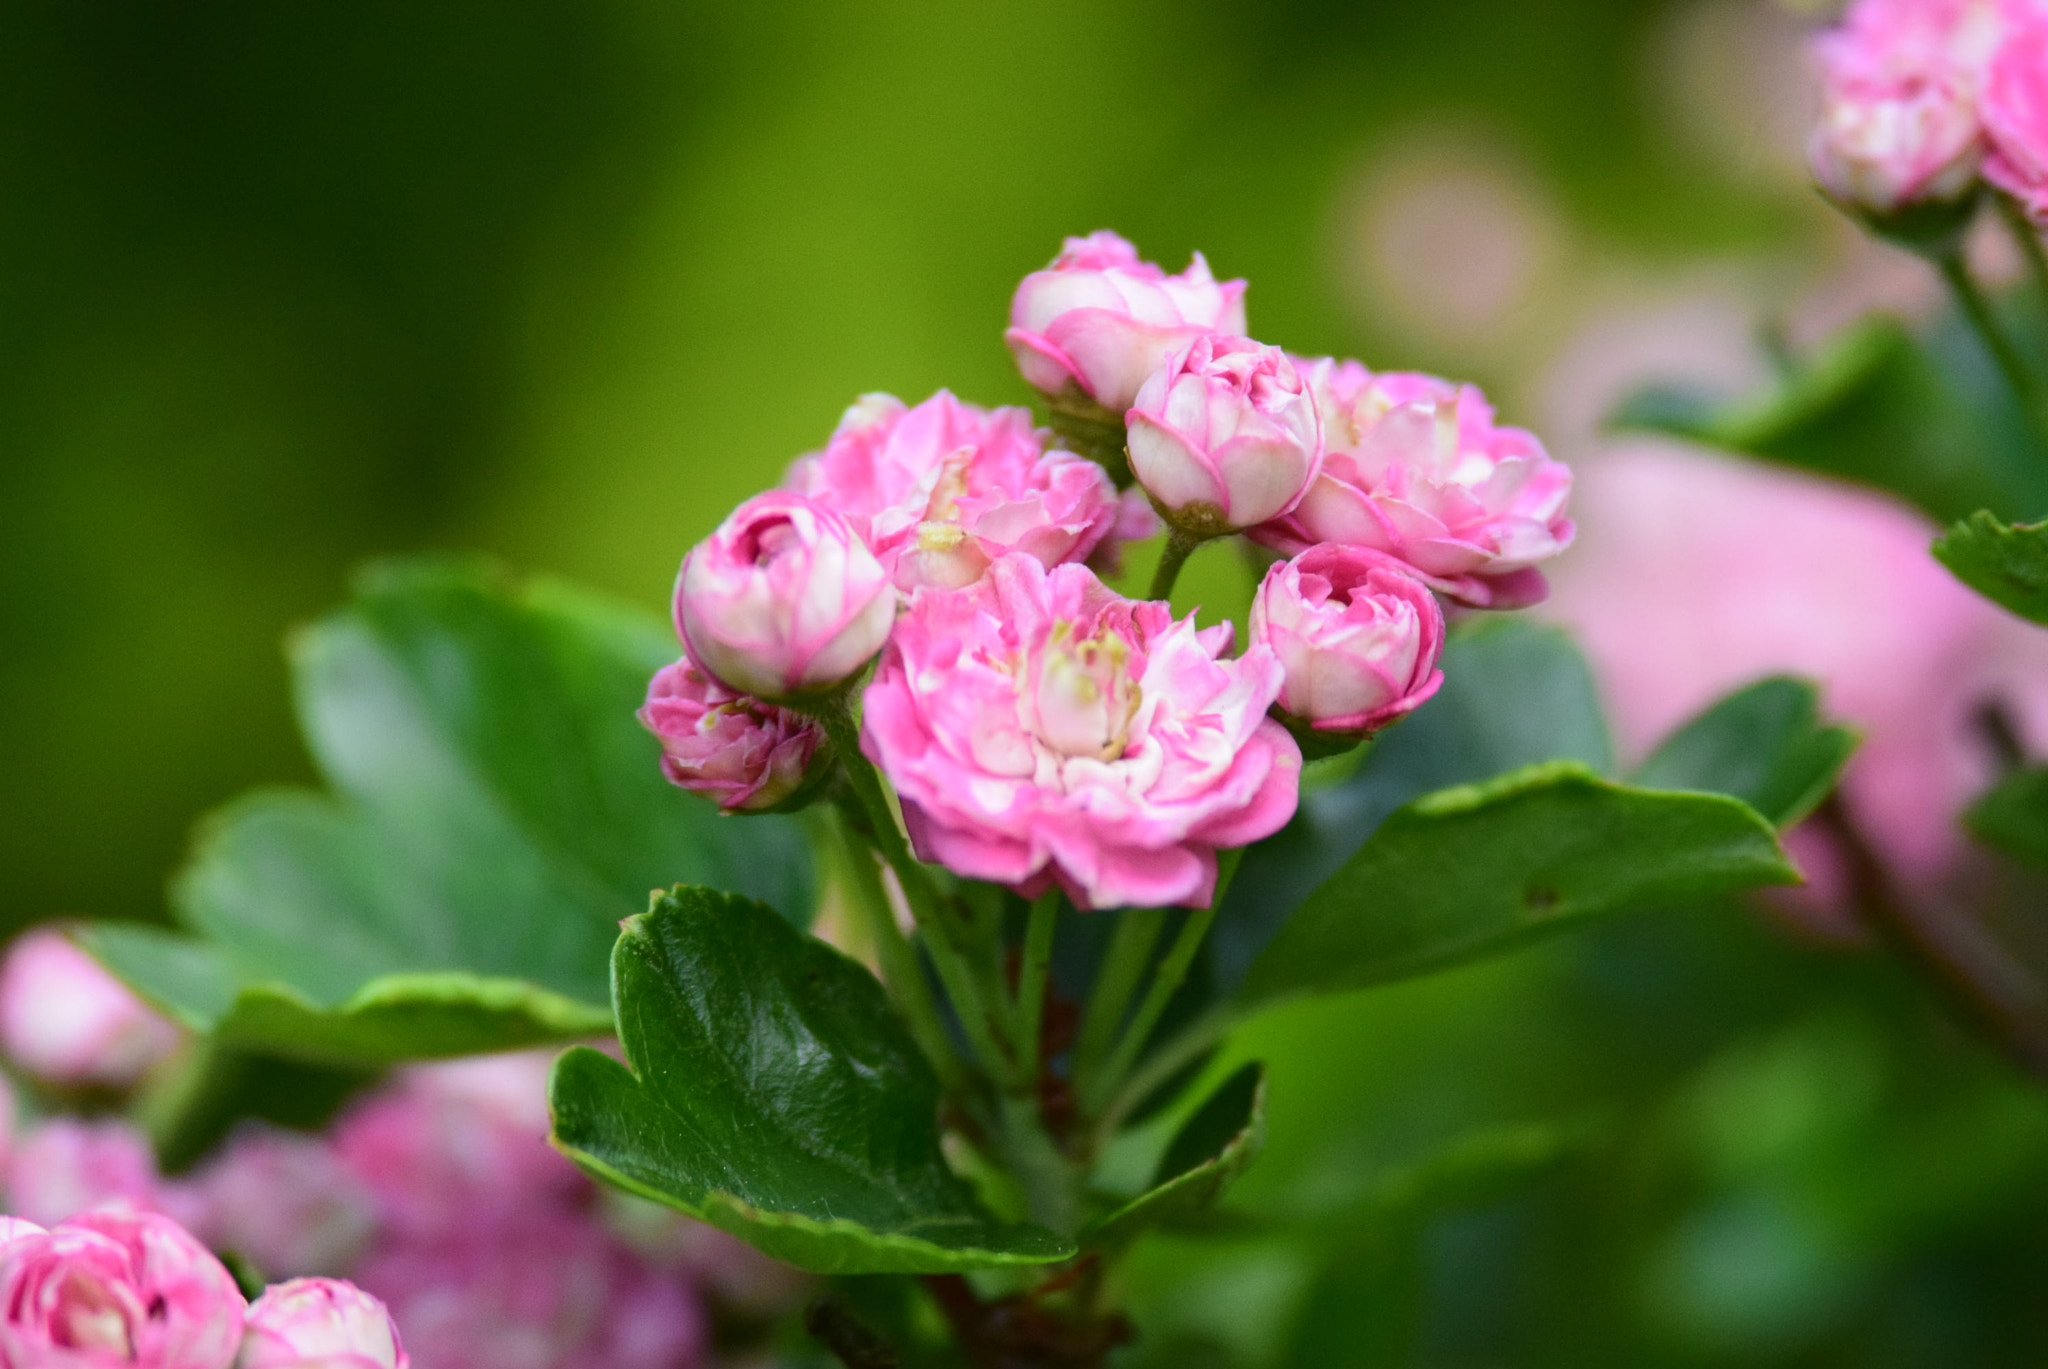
column 941, row 928
column 1179, row 546
column 1038, row 933
column 1130, row 952
column 1976, row 309
column 901, row 973
column 1173, row 972
column 2031, row 247
column 1180, row 1050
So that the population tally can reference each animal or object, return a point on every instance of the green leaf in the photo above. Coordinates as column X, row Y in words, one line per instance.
column 1211, row 1149
column 2013, row 815
column 1763, row 744
column 1515, row 693
column 1923, row 414
column 2007, row 565
column 771, row 1091
column 1473, row 870
column 496, row 812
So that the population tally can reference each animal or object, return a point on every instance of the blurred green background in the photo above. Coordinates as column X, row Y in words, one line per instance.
column 286, row 287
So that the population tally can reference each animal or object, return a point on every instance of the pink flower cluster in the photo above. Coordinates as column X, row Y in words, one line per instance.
column 1040, row 728
column 121, row 1287
column 1921, row 98
column 437, row 1194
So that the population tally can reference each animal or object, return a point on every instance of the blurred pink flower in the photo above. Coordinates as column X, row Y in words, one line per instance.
column 1900, row 81
column 1358, row 636
column 320, row 1324
column 1041, row 729
column 109, row 1289
column 2015, row 112
column 1225, row 435
column 283, row 1200
column 1701, row 573
column 940, row 490
column 782, row 599
column 1099, row 320
column 63, row 1166
column 66, row 1020
column 1415, row 467
column 746, row 754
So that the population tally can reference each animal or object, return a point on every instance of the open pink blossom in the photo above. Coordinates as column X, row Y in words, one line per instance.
column 66, row 1020
column 1415, row 467
column 1041, row 729
column 2015, row 113
column 1358, row 636
column 941, row 490
column 1096, row 322
column 746, row 754
column 783, row 599
column 63, row 1166
column 1900, row 84
column 1225, row 435
column 320, row 1324
column 112, row 1289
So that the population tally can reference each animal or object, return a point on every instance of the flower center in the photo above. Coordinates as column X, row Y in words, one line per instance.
column 88, row 1317
column 1086, row 697
column 768, row 539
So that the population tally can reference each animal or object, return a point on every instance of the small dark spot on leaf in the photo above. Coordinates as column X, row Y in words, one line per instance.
column 1540, row 898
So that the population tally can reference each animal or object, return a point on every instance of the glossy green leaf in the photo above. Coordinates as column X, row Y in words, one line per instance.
column 1205, row 1157
column 1473, row 870
column 770, row 1090
column 2013, row 815
column 496, row 812
column 1764, row 744
column 1515, row 693
column 1924, row 414
column 2007, row 565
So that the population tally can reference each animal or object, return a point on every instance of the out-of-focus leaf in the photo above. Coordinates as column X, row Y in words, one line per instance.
column 1763, row 744
column 771, row 1091
column 2007, row 565
column 2013, row 815
column 496, row 811
column 1211, row 1149
column 1475, row 869
column 1927, row 417
column 1515, row 693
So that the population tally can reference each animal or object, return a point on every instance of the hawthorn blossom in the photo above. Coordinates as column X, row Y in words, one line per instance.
column 1040, row 730
column 746, row 754
column 65, row 1019
column 1357, row 635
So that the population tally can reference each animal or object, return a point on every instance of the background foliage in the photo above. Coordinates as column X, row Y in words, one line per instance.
column 289, row 288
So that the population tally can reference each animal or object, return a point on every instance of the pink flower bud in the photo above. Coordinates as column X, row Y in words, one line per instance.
column 62, row 1167
column 2015, row 112
column 783, row 599
column 320, row 1324
column 746, row 754
column 1900, row 82
column 1415, row 467
column 1358, row 636
column 68, row 1021
column 1225, row 435
column 939, row 491
column 113, row 1288
column 1097, row 321
column 1040, row 729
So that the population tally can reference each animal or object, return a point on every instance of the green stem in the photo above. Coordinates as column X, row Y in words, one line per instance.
column 901, row 973
column 1173, row 972
column 940, row 927
column 1180, row 1050
column 1130, row 952
column 1977, row 310
column 1031, row 978
column 2031, row 247
column 1179, row 546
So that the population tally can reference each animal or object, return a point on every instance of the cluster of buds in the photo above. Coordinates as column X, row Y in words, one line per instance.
column 1926, row 100
column 1040, row 729
column 124, row 1287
